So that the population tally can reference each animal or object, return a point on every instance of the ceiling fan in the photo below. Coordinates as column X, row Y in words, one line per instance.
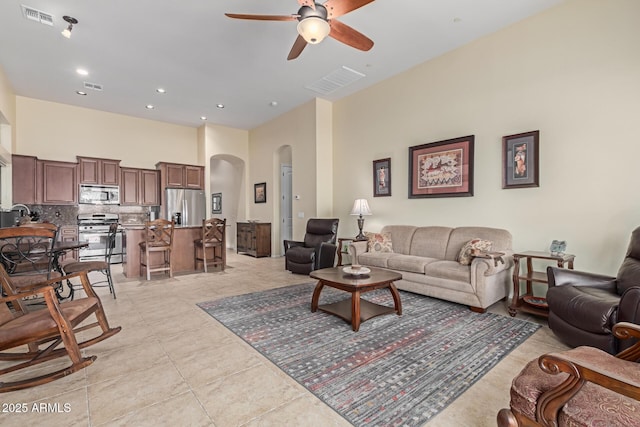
column 316, row 21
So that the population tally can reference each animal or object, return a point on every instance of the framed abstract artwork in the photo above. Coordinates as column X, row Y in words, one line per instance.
column 442, row 169
column 382, row 177
column 260, row 192
column 520, row 160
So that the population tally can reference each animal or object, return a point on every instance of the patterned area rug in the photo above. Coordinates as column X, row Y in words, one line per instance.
column 397, row 370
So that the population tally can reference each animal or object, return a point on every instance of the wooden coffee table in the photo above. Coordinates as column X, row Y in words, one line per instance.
column 356, row 310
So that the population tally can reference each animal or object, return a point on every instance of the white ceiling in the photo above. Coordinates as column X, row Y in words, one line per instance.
column 202, row 58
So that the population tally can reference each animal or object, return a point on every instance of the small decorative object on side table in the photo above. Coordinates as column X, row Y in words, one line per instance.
column 528, row 302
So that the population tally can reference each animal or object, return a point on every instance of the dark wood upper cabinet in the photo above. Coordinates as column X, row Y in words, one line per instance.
column 97, row 171
column 57, row 182
column 173, row 175
column 140, row 187
column 149, row 187
column 23, row 172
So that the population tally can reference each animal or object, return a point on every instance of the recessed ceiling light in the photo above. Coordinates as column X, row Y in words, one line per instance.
column 203, row 118
column 82, row 71
column 274, row 103
column 160, row 90
column 220, row 105
column 457, row 19
column 79, row 92
column 149, row 107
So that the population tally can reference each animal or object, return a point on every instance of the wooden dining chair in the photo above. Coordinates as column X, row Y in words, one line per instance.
column 158, row 235
column 27, row 254
column 30, row 338
column 213, row 237
column 103, row 266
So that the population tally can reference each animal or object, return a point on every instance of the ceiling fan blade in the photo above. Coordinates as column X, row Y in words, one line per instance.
column 263, row 17
column 337, row 8
column 347, row 35
column 298, row 47
column 310, row 3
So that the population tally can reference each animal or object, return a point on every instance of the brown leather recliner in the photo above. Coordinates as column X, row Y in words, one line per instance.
column 318, row 250
column 583, row 307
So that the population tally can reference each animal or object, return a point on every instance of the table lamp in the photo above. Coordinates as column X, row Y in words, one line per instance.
column 360, row 207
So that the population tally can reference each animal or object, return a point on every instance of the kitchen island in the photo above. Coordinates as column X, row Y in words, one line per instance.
column 181, row 254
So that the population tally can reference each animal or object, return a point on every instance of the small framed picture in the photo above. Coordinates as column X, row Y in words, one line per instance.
column 260, row 192
column 442, row 169
column 520, row 160
column 382, row 177
column 216, row 203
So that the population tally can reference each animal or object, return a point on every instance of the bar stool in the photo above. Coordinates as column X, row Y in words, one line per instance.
column 213, row 236
column 158, row 236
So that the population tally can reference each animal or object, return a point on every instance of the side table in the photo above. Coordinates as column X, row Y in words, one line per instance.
column 529, row 303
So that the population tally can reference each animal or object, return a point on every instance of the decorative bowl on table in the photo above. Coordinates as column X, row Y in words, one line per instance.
column 356, row 270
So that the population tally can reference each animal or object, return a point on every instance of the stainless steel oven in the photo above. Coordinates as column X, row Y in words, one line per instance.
column 94, row 230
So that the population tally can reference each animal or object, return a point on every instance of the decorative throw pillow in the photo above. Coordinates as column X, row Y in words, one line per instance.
column 379, row 242
column 465, row 255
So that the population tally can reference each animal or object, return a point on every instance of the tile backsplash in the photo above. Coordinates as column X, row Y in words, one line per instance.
column 68, row 215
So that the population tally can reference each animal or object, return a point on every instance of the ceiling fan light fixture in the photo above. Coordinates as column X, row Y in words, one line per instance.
column 313, row 29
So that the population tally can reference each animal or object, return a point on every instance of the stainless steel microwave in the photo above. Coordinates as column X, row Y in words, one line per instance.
column 99, row 194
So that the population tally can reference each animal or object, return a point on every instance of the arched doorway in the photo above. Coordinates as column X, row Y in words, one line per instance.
column 226, row 175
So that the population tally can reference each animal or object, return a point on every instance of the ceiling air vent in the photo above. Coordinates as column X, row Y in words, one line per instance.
column 335, row 80
column 37, row 15
column 93, row 86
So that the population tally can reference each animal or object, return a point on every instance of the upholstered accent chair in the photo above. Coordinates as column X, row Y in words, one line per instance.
column 318, row 250
column 584, row 386
column 583, row 307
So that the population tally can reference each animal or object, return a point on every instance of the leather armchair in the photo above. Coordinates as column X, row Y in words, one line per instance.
column 583, row 307
column 318, row 250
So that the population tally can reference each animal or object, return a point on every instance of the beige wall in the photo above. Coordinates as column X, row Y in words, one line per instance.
column 60, row 132
column 296, row 129
column 7, row 131
column 571, row 72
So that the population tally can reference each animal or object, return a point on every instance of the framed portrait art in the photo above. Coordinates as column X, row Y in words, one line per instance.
column 442, row 169
column 260, row 192
column 382, row 177
column 520, row 160
column 216, row 203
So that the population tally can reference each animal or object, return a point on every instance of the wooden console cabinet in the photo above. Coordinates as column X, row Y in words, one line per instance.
column 254, row 238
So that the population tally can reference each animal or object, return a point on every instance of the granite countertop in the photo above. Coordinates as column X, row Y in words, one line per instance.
column 133, row 226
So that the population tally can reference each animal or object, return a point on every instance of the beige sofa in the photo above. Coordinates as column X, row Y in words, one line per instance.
column 427, row 258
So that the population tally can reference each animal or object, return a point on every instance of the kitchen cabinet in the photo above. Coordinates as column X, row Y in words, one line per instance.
column 254, row 238
column 56, row 182
column 68, row 233
column 23, row 172
column 97, row 171
column 174, row 175
column 139, row 187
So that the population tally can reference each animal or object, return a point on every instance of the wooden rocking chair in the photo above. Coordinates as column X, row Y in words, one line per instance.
column 33, row 337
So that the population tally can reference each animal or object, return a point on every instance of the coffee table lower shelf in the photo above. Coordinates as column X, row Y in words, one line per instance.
column 368, row 310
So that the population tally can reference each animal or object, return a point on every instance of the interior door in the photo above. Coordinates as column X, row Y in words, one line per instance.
column 286, row 209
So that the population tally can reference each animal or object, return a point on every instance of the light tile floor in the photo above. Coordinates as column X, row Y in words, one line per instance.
column 174, row 365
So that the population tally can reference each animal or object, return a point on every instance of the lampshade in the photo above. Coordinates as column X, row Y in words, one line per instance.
column 313, row 29
column 360, row 207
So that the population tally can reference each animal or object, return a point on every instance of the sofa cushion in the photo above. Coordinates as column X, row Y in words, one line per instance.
column 375, row 259
column 459, row 236
column 451, row 270
column 414, row 264
column 379, row 242
column 465, row 256
column 402, row 235
column 430, row 242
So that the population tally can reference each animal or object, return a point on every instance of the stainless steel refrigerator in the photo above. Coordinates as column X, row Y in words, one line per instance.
column 190, row 204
